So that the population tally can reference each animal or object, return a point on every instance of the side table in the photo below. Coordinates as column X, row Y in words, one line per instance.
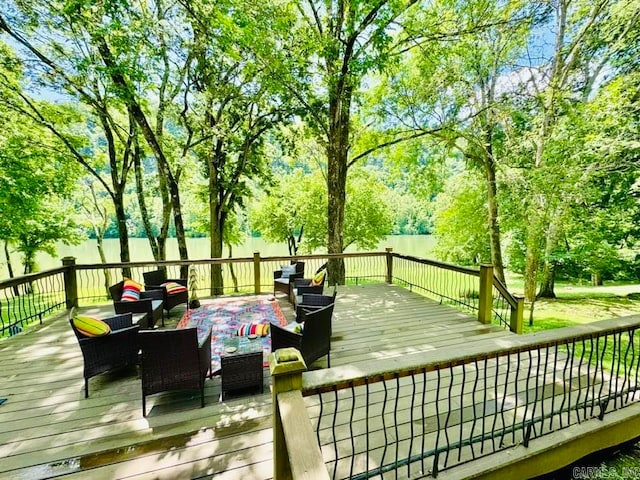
column 242, row 368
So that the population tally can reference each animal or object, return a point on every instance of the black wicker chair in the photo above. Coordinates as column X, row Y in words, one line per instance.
column 283, row 284
column 311, row 302
column 153, row 281
column 116, row 350
column 150, row 304
column 173, row 360
column 301, row 286
column 315, row 340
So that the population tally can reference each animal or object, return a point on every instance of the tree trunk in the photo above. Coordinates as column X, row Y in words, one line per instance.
column 494, row 226
column 231, row 271
column 549, row 266
column 103, row 259
column 337, row 164
column 123, row 232
column 142, row 204
column 547, row 283
column 596, row 279
column 532, row 259
column 10, row 266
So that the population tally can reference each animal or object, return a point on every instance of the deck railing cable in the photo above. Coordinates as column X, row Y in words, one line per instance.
column 444, row 409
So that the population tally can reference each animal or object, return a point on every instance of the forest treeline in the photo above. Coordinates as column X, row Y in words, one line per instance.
column 509, row 129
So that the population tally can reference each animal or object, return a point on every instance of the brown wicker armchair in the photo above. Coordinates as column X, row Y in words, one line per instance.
column 173, row 360
column 314, row 341
column 150, row 304
column 153, row 281
column 116, row 350
column 282, row 283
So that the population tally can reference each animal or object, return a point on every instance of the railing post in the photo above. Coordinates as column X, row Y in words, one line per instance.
column 389, row 278
column 486, row 293
column 517, row 314
column 256, row 272
column 286, row 366
column 70, row 282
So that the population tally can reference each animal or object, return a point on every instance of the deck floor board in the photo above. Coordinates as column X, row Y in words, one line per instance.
column 48, row 429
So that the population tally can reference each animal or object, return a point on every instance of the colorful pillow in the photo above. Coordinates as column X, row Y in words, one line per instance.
column 318, row 278
column 91, row 327
column 130, row 291
column 260, row 329
column 174, row 287
column 287, row 270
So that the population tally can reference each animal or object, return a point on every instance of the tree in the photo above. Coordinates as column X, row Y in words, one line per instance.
column 36, row 180
column 295, row 211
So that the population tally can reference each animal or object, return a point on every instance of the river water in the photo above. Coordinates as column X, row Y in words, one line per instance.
column 87, row 251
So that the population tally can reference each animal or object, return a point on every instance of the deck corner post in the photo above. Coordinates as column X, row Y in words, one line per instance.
column 517, row 315
column 389, row 278
column 70, row 282
column 256, row 272
column 485, row 304
column 286, row 366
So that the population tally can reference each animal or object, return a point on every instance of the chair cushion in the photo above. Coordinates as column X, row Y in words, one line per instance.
column 91, row 327
column 318, row 278
column 246, row 329
column 287, row 270
column 130, row 291
column 173, row 287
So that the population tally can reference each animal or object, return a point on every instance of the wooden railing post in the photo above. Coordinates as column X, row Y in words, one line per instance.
column 286, row 366
column 485, row 304
column 256, row 272
column 389, row 265
column 517, row 314
column 70, row 282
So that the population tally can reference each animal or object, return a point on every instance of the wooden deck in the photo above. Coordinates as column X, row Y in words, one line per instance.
column 48, row 429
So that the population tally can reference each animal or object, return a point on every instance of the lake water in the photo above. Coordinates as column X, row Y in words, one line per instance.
column 87, row 252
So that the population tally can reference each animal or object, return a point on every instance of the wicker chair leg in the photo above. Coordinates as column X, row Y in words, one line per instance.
column 144, row 405
column 86, row 387
column 329, row 360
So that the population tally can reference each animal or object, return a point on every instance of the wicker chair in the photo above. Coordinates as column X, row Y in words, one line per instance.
column 173, row 360
column 150, row 304
column 116, row 350
column 153, row 281
column 301, row 286
column 311, row 302
column 314, row 341
column 283, row 284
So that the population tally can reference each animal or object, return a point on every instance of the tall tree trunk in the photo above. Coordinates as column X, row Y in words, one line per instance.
column 234, row 278
column 337, row 162
column 10, row 266
column 123, row 232
column 547, row 282
column 494, row 226
column 142, row 204
column 532, row 257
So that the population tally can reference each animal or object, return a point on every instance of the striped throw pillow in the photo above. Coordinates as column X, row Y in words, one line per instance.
column 130, row 291
column 174, row 287
column 246, row 329
column 91, row 327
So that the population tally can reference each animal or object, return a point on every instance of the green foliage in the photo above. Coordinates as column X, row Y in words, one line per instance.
column 295, row 210
column 460, row 221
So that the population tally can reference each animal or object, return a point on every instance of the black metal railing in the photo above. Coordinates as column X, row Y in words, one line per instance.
column 423, row 418
column 26, row 300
